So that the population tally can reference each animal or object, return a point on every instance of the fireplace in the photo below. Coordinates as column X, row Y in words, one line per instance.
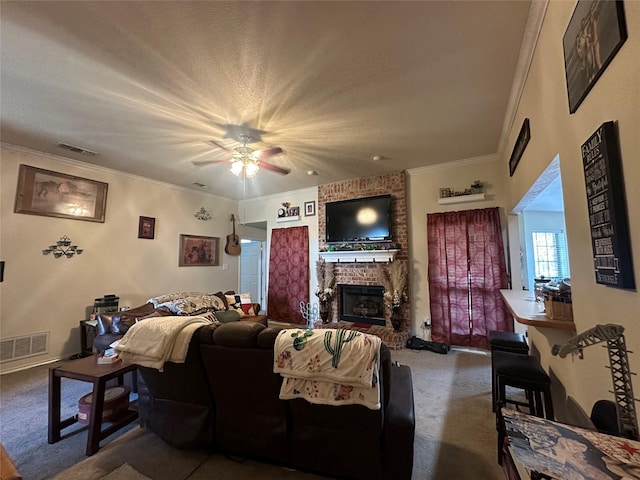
column 361, row 304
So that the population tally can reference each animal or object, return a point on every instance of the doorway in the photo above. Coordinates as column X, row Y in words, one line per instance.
column 252, row 269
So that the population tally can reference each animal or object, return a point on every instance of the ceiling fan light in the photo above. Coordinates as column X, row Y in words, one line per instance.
column 251, row 169
column 236, row 167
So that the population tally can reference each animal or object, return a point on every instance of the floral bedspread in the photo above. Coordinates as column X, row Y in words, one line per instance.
column 329, row 366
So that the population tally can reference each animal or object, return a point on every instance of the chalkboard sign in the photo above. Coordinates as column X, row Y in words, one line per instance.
column 608, row 219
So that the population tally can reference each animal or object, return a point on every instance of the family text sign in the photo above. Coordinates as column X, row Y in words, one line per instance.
column 606, row 201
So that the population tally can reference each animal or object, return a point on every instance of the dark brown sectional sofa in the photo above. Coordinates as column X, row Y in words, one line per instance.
column 225, row 397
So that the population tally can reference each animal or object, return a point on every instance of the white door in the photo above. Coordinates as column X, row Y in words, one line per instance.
column 251, row 277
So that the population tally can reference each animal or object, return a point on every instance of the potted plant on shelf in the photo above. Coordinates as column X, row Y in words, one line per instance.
column 325, row 289
column 394, row 281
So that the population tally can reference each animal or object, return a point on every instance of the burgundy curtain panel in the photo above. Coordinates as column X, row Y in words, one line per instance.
column 288, row 274
column 466, row 272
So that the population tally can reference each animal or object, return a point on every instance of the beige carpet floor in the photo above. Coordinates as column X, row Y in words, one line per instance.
column 455, row 433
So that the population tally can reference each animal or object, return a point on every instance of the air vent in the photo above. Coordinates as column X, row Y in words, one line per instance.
column 26, row 346
column 198, row 184
column 80, row 150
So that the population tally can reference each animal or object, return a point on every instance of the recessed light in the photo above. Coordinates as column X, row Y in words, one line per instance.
column 376, row 158
column 311, row 173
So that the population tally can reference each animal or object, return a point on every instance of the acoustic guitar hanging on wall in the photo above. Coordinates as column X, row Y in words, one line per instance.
column 233, row 241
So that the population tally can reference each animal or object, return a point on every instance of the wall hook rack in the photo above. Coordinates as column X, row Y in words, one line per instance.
column 63, row 247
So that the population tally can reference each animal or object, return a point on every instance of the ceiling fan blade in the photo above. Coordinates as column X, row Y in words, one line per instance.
column 208, row 162
column 273, row 168
column 269, row 152
column 219, row 145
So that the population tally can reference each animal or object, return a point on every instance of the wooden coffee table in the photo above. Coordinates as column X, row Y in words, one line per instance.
column 87, row 370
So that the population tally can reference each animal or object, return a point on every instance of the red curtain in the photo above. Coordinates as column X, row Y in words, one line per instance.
column 466, row 272
column 288, row 274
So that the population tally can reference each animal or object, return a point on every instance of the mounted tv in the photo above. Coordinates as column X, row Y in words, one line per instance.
column 359, row 220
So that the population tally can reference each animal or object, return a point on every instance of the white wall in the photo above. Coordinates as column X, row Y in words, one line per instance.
column 424, row 185
column 41, row 293
column 615, row 96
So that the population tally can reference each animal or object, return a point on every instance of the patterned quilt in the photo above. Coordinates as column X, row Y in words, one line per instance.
column 329, row 366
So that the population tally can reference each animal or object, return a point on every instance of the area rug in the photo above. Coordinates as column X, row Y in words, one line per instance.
column 125, row 472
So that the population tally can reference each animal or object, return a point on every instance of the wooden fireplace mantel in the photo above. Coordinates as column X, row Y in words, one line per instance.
column 359, row 256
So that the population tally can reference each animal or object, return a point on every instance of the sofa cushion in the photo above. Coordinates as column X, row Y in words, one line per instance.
column 197, row 304
column 238, row 334
column 241, row 303
column 267, row 337
column 228, row 316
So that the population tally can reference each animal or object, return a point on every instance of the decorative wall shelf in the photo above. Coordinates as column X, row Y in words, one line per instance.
column 359, row 256
column 290, row 218
column 476, row 197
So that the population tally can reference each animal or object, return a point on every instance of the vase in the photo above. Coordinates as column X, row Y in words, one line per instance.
column 396, row 319
column 324, row 312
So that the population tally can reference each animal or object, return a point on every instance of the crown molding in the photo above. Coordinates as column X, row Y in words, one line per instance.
column 537, row 12
column 454, row 164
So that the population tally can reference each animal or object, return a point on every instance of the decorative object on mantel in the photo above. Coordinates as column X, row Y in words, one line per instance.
column 202, row 214
column 288, row 210
column 394, row 281
column 354, row 247
column 475, row 188
column 309, row 313
column 325, row 289
column 63, row 247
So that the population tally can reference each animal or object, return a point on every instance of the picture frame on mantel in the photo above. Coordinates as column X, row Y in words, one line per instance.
column 518, row 149
column 596, row 31
column 53, row 194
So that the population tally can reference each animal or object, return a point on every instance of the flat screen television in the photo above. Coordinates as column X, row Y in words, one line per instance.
column 359, row 220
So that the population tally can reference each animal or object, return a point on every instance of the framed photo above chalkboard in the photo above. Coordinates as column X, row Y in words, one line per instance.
column 606, row 201
column 594, row 35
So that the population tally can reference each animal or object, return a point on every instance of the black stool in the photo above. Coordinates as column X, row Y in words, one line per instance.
column 526, row 373
column 504, row 342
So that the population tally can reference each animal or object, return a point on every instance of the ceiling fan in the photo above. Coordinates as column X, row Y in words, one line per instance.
column 247, row 160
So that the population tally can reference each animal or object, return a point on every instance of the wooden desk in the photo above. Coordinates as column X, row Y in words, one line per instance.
column 87, row 369
column 527, row 311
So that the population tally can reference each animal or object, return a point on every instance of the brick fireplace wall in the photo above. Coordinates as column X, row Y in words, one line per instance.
column 367, row 273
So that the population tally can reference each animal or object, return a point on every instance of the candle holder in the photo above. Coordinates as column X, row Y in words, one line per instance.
column 63, row 247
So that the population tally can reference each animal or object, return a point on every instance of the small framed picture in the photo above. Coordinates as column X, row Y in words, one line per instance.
column 146, row 227
column 309, row 209
column 445, row 192
column 199, row 251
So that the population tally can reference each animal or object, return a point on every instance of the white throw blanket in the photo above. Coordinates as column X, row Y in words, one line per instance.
column 329, row 366
column 154, row 341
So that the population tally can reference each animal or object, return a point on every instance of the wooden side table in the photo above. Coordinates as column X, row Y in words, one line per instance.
column 88, row 332
column 87, row 369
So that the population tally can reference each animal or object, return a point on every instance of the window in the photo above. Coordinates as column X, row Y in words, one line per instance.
column 550, row 257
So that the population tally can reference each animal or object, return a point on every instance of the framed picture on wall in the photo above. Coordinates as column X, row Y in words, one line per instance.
column 53, row 194
column 199, row 251
column 309, row 209
column 594, row 35
column 146, row 227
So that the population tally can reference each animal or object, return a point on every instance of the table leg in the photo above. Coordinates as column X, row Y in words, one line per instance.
column 54, row 407
column 95, row 422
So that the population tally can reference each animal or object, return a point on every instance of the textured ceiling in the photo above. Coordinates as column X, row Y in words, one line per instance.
column 147, row 85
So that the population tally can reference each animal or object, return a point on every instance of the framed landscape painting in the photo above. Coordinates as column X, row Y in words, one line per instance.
column 595, row 33
column 53, row 194
column 199, row 251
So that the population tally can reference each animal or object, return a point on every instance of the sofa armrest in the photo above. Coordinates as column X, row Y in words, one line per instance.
column 400, row 425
